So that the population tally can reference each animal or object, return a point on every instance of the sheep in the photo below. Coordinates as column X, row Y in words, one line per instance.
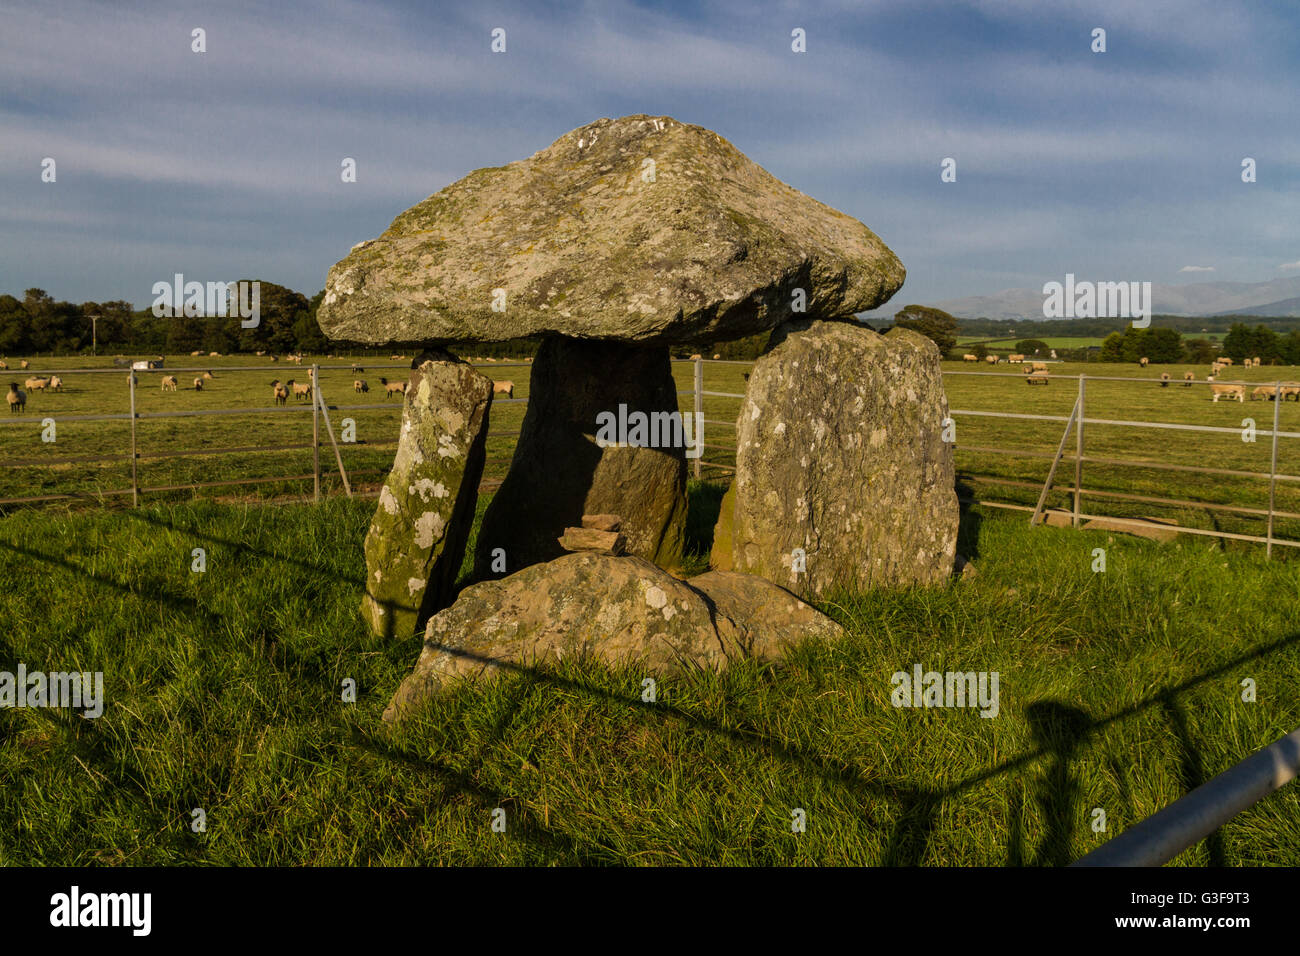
column 505, row 388
column 214, row 355
column 1188, row 379
column 393, row 388
column 696, row 357
column 1289, row 391
column 398, row 358
column 1268, row 392
column 1015, row 358
column 56, row 383
column 37, row 384
column 1164, row 379
column 208, row 375
column 1036, row 378
column 17, row 398
column 301, row 391
column 3, row 364
column 360, row 386
column 198, row 384
column 968, row 357
column 196, row 352
column 1255, row 362
column 26, row 364
column 992, row 359
column 1144, row 361
column 275, row 358
column 169, row 383
column 280, row 393
column 1224, row 360
column 716, row 356
column 1230, row 390
column 260, row 352
column 357, row 369
column 1035, row 367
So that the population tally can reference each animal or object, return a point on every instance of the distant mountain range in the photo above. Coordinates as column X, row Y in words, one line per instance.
column 1280, row 297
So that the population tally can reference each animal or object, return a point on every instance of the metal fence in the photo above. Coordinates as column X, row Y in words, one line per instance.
column 1074, row 424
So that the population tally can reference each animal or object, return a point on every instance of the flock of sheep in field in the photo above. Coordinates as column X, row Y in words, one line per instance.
column 280, row 391
column 1036, row 373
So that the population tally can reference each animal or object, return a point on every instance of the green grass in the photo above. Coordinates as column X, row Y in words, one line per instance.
column 1119, row 691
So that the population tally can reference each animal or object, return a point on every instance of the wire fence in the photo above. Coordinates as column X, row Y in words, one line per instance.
column 717, row 436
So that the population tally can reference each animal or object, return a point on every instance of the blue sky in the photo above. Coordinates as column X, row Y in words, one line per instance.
column 1122, row 165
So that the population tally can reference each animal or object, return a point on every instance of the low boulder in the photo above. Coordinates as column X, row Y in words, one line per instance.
column 615, row 609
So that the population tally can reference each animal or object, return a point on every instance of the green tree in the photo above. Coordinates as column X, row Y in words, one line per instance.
column 13, row 325
column 1201, row 350
column 1288, row 348
column 1237, row 342
column 1164, row 345
column 1112, row 348
column 935, row 324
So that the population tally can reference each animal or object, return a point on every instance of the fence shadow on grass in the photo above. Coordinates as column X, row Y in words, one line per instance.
column 1059, row 731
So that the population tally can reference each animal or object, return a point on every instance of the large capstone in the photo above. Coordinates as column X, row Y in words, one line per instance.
column 843, row 478
column 560, row 471
column 618, row 610
column 417, row 539
column 640, row 229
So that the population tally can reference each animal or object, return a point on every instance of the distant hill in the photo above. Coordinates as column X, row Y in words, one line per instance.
column 1286, row 307
column 1196, row 298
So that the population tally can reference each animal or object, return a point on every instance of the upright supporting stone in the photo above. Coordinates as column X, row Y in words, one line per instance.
column 417, row 540
column 843, row 479
column 559, row 473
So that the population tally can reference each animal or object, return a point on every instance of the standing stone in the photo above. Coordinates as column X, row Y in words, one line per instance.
column 417, row 539
column 840, row 454
column 559, row 473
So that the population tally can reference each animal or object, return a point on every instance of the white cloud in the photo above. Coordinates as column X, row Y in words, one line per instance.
column 1197, row 269
column 1290, row 265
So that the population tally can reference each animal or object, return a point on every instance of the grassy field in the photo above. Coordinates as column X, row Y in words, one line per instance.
column 289, row 432
column 43, row 468
column 1118, row 691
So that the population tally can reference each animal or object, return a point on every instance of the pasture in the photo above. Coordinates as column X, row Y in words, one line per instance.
column 1118, row 690
column 1016, row 477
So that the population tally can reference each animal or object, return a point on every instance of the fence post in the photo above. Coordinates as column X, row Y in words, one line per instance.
column 315, row 434
column 1078, row 452
column 699, row 412
column 135, row 484
column 1272, row 472
column 329, row 430
column 1051, row 472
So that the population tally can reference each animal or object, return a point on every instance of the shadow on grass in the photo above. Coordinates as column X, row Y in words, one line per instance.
column 1059, row 731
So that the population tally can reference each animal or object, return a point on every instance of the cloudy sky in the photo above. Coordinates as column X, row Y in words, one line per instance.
column 1122, row 165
